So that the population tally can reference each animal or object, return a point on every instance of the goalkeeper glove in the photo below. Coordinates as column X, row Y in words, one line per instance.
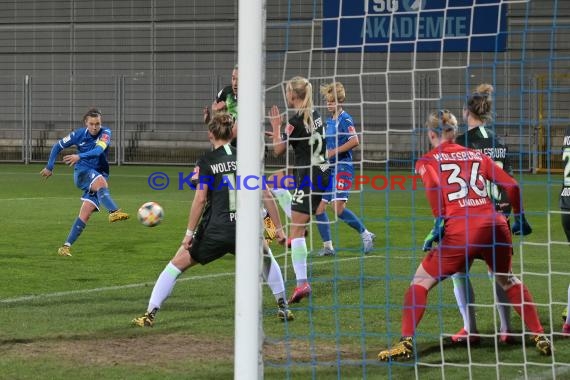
column 435, row 234
column 521, row 226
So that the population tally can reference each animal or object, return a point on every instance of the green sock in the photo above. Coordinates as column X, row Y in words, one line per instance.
column 299, row 255
column 284, row 198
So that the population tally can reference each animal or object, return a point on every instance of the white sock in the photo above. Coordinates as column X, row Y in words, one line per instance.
column 163, row 286
column 284, row 198
column 504, row 310
column 568, row 307
column 328, row 244
column 272, row 275
column 464, row 296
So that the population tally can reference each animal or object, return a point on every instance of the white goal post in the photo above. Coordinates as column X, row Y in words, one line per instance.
column 247, row 350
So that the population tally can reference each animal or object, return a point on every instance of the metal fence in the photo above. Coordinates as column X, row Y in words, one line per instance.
column 153, row 120
column 159, row 120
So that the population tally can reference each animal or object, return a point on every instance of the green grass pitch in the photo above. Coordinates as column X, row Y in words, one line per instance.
column 70, row 317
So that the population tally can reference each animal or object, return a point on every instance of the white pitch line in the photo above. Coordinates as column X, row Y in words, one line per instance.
column 138, row 285
column 104, row 289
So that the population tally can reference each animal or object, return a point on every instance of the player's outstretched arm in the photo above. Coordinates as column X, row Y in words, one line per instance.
column 55, row 149
column 45, row 172
column 219, row 106
column 71, row 159
column 435, row 235
column 207, row 116
column 511, row 186
column 97, row 150
column 430, row 179
column 275, row 118
column 350, row 144
column 497, row 175
column 521, row 226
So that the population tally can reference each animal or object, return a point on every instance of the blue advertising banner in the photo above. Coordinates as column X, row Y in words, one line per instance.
column 420, row 25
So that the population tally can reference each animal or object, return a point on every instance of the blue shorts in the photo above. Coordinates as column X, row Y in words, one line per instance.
column 83, row 178
column 91, row 198
column 341, row 179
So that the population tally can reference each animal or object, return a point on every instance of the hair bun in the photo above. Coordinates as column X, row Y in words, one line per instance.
column 485, row 89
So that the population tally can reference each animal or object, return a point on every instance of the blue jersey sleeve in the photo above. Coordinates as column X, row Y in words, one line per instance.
column 346, row 127
column 102, row 143
column 95, row 152
column 345, row 132
column 65, row 142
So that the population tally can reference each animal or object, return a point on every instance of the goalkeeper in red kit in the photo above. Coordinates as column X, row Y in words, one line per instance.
column 467, row 226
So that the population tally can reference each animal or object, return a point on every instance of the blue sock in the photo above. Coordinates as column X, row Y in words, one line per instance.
column 352, row 220
column 324, row 226
column 75, row 231
column 105, row 198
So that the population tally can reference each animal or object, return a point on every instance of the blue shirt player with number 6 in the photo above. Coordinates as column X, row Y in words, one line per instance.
column 90, row 174
column 340, row 138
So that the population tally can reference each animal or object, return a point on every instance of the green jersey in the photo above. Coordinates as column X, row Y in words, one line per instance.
column 227, row 95
column 565, row 191
column 484, row 140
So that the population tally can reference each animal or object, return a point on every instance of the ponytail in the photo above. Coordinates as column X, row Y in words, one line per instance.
column 221, row 126
column 480, row 103
column 303, row 89
column 444, row 123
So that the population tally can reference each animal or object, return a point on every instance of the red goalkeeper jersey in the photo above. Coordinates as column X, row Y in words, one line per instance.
column 455, row 181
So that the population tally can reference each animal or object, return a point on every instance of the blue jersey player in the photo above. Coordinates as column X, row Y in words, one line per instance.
column 90, row 173
column 341, row 138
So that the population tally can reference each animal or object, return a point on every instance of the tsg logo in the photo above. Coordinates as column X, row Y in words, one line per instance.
column 380, row 6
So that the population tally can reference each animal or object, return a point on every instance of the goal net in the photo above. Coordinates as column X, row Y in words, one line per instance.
column 399, row 60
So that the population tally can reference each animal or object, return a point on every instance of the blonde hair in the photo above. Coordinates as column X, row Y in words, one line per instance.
column 221, row 126
column 333, row 92
column 303, row 89
column 444, row 123
column 480, row 102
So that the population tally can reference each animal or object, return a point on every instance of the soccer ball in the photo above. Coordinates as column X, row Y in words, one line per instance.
column 150, row 214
